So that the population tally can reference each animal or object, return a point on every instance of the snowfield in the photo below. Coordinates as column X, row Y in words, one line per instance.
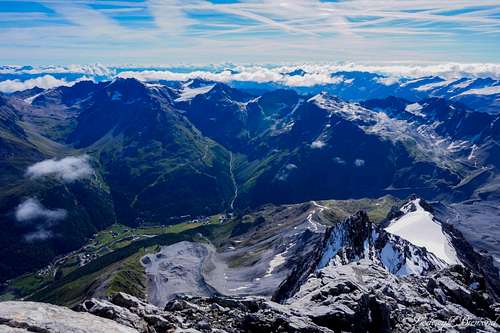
column 420, row 228
column 415, row 109
column 483, row 91
column 188, row 93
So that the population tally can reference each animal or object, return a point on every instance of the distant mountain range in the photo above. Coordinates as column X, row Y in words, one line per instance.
column 161, row 151
column 475, row 86
column 479, row 94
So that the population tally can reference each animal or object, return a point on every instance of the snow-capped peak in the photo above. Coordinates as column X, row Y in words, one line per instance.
column 358, row 239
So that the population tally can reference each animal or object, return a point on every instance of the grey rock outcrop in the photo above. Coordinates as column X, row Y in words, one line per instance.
column 203, row 314
column 356, row 297
column 364, row 297
column 45, row 318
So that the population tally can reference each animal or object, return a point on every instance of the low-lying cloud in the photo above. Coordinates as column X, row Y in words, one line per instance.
column 31, row 211
column 310, row 74
column 319, row 74
column 359, row 162
column 44, row 82
column 39, row 235
column 318, row 144
column 258, row 75
column 91, row 70
column 387, row 81
column 67, row 169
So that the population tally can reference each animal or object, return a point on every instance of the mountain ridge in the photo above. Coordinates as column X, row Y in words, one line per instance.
column 284, row 147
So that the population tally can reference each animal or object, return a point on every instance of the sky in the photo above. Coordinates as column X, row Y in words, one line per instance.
column 248, row 31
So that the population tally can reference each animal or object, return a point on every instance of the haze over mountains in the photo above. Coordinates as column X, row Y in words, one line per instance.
column 268, row 155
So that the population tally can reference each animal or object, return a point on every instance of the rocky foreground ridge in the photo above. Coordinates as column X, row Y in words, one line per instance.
column 358, row 297
column 361, row 278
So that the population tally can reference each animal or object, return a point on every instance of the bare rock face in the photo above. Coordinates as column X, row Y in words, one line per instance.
column 357, row 297
column 132, row 312
column 364, row 297
column 39, row 317
column 203, row 314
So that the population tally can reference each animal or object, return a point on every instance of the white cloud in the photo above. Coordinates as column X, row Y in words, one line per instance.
column 315, row 74
column 321, row 74
column 395, row 70
column 339, row 160
column 68, row 169
column 285, row 172
column 318, row 144
column 44, row 82
column 359, row 162
column 32, row 209
column 91, row 70
column 257, row 74
column 387, row 81
column 38, row 235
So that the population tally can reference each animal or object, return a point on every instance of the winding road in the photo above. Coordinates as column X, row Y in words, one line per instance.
column 235, row 185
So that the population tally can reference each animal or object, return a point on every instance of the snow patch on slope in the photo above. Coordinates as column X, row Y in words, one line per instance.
column 483, row 91
column 462, row 85
column 277, row 261
column 187, row 93
column 415, row 109
column 434, row 85
column 420, row 228
column 30, row 100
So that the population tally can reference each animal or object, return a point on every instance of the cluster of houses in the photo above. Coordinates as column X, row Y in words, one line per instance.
column 85, row 258
column 86, row 254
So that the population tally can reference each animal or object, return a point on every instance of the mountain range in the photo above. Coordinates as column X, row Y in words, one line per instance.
column 303, row 186
column 164, row 150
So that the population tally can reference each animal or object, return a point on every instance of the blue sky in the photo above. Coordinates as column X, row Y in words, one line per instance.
column 248, row 31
